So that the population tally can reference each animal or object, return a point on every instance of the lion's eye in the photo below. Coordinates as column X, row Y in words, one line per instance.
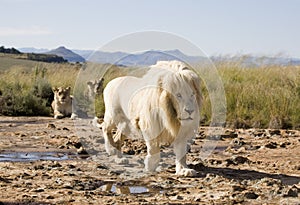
column 179, row 95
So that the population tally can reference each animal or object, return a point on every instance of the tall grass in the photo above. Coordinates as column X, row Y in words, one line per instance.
column 26, row 86
column 266, row 96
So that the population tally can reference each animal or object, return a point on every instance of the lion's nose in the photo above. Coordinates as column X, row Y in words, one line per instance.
column 190, row 111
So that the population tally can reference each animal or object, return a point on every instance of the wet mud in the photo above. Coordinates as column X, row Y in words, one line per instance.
column 47, row 161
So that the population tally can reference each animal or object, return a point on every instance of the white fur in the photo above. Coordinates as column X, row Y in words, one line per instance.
column 162, row 106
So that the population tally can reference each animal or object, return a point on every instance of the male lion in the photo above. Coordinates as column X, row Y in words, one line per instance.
column 62, row 103
column 162, row 107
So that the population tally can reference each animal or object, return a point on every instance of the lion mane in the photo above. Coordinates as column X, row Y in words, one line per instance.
column 162, row 107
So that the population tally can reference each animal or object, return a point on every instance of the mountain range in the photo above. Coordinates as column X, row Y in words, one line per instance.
column 152, row 56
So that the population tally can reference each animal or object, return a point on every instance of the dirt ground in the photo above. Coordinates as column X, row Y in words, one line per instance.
column 48, row 161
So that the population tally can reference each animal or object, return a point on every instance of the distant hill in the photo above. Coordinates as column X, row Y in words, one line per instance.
column 9, row 50
column 150, row 57
column 66, row 54
column 16, row 54
column 33, row 50
column 83, row 53
column 141, row 59
column 254, row 61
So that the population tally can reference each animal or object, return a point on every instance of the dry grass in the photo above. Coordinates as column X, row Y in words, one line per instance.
column 267, row 96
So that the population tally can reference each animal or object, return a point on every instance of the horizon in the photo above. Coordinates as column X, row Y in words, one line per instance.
column 258, row 28
column 225, row 56
column 212, row 56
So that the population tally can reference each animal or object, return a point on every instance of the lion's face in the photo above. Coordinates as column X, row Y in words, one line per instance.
column 180, row 100
column 95, row 87
column 62, row 95
column 185, row 104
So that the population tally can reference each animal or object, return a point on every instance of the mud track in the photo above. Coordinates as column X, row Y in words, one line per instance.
column 47, row 161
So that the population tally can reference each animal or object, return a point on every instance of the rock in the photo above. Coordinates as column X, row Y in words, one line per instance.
column 237, row 188
column 39, row 190
column 82, row 151
column 229, row 134
column 50, row 197
column 65, row 128
column 56, row 165
column 291, row 192
column 271, row 145
column 258, row 133
column 100, row 166
column 284, row 144
column 235, row 160
column 37, row 167
column 71, row 166
column 77, row 145
column 251, row 195
column 238, row 142
column 271, row 182
column 177, row 197
column 4, row 180
column 275, row 132
column 51, row 126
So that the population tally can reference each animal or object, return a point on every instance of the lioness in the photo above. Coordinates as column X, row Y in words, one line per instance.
column 62, row 103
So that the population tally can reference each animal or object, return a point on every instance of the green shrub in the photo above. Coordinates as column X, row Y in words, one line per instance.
column 16, row 101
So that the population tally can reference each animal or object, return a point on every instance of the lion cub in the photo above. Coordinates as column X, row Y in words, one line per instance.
column 62, row 103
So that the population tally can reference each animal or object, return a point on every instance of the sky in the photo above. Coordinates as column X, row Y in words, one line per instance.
column 217, row 27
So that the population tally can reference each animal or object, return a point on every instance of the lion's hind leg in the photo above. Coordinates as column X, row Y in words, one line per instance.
column 114, row 138
column 107, row 129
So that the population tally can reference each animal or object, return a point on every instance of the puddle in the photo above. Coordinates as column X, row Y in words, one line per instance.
column 35, row 156
column 129, row 189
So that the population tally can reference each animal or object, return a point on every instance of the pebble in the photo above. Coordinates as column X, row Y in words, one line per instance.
column 235, row 160
column 291, row 192
column 271, row 145
column 51, row 125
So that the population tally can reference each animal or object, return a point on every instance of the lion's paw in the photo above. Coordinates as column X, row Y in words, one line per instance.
column 187, row 172
column 111, row 151
column 73, row 116
column 122, row 160
column 58, row 116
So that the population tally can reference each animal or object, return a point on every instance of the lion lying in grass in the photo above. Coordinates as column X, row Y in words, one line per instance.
column 162, row 107
column 62, row 103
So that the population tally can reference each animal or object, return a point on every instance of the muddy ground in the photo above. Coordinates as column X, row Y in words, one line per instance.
column 47, row 161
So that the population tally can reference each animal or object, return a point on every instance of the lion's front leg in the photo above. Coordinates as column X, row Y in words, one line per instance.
column 180, row 150
column 153, row 156
column 58, row 115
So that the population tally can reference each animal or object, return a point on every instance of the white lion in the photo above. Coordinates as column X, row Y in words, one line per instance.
column 62, row 103
column 162, row 107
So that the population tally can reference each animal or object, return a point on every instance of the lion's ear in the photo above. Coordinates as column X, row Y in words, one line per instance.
column 54, row 89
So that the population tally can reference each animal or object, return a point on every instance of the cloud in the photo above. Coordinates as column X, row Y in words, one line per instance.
column 29, row 31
